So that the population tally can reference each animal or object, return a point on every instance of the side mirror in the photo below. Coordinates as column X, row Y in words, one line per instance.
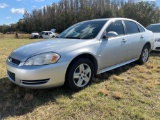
column 110, row 34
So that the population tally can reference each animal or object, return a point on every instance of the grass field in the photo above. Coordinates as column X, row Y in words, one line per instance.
column 130, row 92
column 12, row 36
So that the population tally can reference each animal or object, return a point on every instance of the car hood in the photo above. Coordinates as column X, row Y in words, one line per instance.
column 24, row 52
column 34, row 33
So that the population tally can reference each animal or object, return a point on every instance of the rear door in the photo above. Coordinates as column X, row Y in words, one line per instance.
column 135, row 39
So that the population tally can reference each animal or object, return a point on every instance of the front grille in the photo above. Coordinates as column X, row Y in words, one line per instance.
column 157, row 48
column 11, row 75
column 34, row 82
column 15, row 61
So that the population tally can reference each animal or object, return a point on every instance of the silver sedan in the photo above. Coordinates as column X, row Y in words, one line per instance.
column 77, row 54
column 155, row 28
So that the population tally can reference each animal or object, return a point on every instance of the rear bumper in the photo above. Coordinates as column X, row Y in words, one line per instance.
column 37, row 77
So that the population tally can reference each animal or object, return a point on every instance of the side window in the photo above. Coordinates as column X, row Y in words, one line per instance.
column 131, row 27
column 46, row 33
column 141, row 29
column 50, row 32
column 117, row 27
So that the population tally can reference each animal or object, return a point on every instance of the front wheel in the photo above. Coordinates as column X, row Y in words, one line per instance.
column 79, row 74
column 144, row 55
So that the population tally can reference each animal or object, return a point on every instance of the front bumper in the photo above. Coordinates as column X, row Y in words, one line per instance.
column 37, row 77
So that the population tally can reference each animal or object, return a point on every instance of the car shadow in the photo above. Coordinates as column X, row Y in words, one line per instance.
column 118, row 71
column 155, row 54
column 16, row 101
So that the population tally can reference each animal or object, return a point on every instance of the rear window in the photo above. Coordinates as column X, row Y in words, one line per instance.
column 154, row 28
column 41, row 33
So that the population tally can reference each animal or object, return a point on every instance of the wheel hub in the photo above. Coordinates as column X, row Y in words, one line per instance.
column 82, row 75
column 145, row 55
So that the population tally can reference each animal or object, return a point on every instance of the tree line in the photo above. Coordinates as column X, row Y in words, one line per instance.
column 67, row 12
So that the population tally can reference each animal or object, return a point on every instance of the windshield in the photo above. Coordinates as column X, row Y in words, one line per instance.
column 83, row 30
column 154, row 28
column 41, row 33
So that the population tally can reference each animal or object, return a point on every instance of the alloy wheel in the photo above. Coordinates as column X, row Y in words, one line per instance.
column 82, row 75
column 145, row 55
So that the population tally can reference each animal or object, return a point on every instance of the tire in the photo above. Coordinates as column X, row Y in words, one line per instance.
column 79, row 74
column 36, row 36
column 144, row 55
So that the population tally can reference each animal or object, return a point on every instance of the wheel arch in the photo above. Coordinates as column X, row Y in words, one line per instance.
column 149, row 44
column 88, row 56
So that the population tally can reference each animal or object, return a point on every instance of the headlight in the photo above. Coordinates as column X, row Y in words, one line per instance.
column 43, row 59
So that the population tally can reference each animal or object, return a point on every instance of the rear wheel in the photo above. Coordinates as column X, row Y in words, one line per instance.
column 79, row 74
column 144, row 55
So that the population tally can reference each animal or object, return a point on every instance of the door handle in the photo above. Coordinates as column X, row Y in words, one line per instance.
column 124, row 40
column 141, row 37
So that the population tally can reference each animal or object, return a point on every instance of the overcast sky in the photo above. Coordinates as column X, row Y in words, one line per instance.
column 12, row 10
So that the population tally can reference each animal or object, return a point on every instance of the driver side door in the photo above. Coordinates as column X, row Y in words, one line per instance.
column 114, row 48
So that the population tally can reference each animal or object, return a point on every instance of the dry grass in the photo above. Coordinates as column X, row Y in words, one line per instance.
column 137, row 89
column 11, row 36
column 104, row 92
column 118, row 78
column 117, row 95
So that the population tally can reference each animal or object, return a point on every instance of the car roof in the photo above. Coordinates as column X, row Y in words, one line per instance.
column 111, row 19
column 34, row 33
column 155, row 24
